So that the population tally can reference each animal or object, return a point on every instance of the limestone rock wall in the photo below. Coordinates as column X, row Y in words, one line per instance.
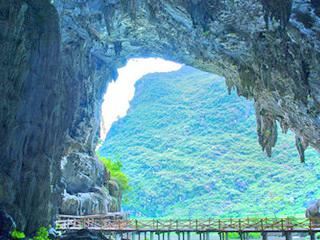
column 33, row 117
column 87, row 71
column 88, row 188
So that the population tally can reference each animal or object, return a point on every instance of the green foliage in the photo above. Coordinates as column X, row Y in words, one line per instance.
column 15, row 234
column 191, row 151
column 58, row 226
column 116, row 174
column 206, row 33
column 234, row 235
column 254, row 235
column 99, row 142
column 42, row 234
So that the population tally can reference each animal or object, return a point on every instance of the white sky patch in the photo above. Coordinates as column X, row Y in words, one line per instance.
column 120, row 92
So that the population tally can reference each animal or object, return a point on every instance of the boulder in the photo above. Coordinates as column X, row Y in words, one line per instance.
column 81, row 173
column 88, row 203
column 313, row 210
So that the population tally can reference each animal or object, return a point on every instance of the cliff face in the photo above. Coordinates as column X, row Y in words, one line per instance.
column 32, row 111
column 52, row 90
column 85, row 181
column 48, row 113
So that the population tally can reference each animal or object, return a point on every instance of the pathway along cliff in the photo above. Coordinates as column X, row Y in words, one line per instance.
column 56, row 59
column 130, row 229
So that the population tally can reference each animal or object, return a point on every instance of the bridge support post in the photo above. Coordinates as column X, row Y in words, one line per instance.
column 168, row 236
column 247, row 236
column 227, row 236
column 108, row 235
column 244, row 235
column 312, row 236
column 288, row 235
column 151, row 235
column 133, row 236
column 188, row 236
column 264, row 236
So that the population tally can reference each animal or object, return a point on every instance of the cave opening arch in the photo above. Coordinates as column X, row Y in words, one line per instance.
column 127, row 143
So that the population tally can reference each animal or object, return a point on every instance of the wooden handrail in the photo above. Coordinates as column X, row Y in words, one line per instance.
column 103, row 222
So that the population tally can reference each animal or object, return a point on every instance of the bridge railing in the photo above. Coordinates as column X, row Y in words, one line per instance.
column 103, row 222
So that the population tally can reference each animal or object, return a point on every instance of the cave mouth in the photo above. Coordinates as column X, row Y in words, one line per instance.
column 58, row 58
column 163, row 138
column 120, row 92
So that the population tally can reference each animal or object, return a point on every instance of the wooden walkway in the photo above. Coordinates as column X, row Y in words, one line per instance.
column 221, row 226
column 104, row 223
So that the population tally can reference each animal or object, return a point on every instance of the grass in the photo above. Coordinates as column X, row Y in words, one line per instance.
column 191, row 151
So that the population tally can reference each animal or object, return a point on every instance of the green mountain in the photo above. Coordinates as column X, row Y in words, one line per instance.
column 191, row 151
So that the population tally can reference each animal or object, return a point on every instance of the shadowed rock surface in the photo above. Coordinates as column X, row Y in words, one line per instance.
column 84, row 234
column 6, row 225
column 33, row 112
column 53, row 78
column 313, row 210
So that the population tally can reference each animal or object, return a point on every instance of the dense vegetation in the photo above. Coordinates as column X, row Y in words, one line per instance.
column 41, row 234
column 191, row 150
column 114, row 167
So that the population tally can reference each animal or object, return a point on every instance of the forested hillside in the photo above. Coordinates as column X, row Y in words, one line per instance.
column 191, row 150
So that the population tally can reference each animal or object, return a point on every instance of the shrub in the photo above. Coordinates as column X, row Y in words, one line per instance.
column 42, row 234
column 116, row 174
column 234, row 235
column 15, row 234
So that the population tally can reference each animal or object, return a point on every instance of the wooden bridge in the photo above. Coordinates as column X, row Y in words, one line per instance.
column 132, row 228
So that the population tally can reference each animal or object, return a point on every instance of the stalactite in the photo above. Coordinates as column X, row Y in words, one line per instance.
column 301, row 145
column 266, row 129
column 203, row 11
column 278, row 9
